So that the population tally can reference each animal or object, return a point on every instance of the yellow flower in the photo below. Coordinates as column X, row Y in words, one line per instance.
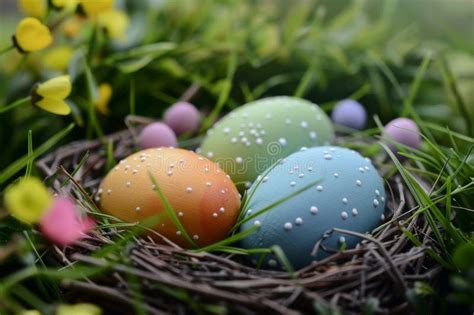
column 50, row 95
column 115, row 23
column 64, row 3
column 58, row 58
column 79, row 309
column 104, row 93
column 35, row 8
column 32, row 35
column 92, row 8
column 28, row 200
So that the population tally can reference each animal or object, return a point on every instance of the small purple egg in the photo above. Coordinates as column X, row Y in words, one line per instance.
column 404, row 131
column 182, row 117
column 157, row 135
column 349, row 113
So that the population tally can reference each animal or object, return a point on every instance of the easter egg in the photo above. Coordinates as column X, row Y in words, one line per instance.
column 254, row 136
column 202, row 196
column 182, row 117
column 344, row 191
column 157, row 135
column 404, row 131
column 349, row 113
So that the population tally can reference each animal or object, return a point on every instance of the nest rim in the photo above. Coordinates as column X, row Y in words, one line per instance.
column 346, row 280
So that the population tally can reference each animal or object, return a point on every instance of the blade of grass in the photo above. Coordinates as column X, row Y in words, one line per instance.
column 76, row 272
column 153, row 50
column 43, row 284
column 135, row 292
column 415, row 85
column 31, row 299
column 361, row 92
column 170, row 211
column 457, row 135
column 229, row 240
column 413, row 92
column 274, row 204
column 18, row 103
column 91, row 98
column 388, row 73
column 281, row 256
column 423, row 199
column 110, row 156
column 249, row 194
column 20, row 163
column 29, row 164
column 451, row 85
column 308, row 76
column 459, row 168
column 77, row 168
column 271, row 82
column 225, row 92
column 430, row 251
column 132, row 96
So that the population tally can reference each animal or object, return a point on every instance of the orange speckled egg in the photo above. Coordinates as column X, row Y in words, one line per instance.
column 203, row 197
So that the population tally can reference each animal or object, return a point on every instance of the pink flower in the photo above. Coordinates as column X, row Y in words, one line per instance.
column 62, row 225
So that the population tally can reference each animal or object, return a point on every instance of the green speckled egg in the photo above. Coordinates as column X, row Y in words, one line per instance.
column 253, row 137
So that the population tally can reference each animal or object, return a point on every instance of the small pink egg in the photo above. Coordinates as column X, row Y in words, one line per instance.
column 404, row 131
column 157, row 135
column 182, row 117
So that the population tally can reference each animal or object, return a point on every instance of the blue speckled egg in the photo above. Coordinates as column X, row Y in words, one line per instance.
column 345, row 192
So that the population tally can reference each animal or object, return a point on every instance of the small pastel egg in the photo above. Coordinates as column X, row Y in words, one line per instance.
column 404, row 131
column 204, row 199
column 157, row 135
column 253, row 137
column 349, row 113
column 345, row 191
column 182, row 117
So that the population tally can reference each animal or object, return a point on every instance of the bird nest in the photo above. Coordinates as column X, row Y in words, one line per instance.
column 171, row 280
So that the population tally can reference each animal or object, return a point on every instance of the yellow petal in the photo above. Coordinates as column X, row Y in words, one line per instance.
column 55, row 106
column 93, row 8
column 79, row 309
column 115, row 22
column 58, row 88
column 103, row 99
column 32, row 35
column 58, row 58
column 28, row 200
column 34, row 8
